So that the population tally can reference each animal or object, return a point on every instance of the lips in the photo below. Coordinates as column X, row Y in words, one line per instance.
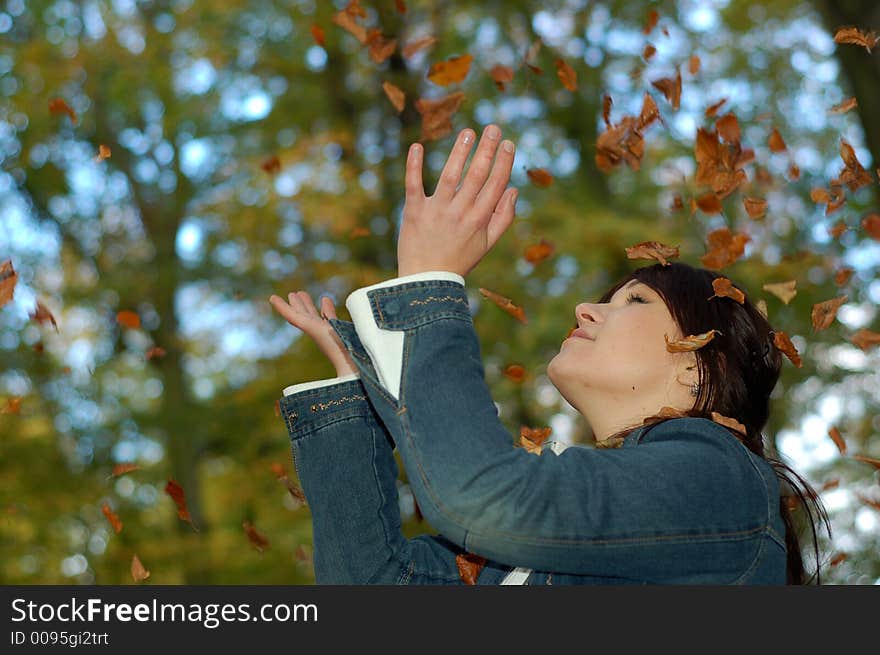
column 581, row 333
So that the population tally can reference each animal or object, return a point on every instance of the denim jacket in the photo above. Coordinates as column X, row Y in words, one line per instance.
column 680, row 502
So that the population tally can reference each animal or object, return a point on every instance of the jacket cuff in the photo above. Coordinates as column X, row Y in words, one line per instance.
column 309, row 410
column 371, row 307
column 315, row 384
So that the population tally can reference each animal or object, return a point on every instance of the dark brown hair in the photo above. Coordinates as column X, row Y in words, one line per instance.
column 737, row 371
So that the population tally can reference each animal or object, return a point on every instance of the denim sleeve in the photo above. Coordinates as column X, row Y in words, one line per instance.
column 344, row 459
column 685, row 494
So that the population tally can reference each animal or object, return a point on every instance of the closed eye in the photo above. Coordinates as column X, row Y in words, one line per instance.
column 634, row 297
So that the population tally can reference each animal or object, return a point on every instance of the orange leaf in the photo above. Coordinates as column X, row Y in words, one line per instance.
column 506, row 304
column 501, row 75
column 347, row 20
column 514, row 372
column 532, row 439
column 670, row 87
column 400, row 5
column 8, row 279
column 258, row 541
column 837, row 559
column 378, row 46
column 453, row 70
column 648, row 52
column 728, row 422
column 824, row 313
column 724, row 289
column 128, row 319
column 872, row 503
column 794, row 172
column 123, row 468
column 469, row 567
column 272, row 165
column 156, row 352
column 865, row 339
column 540, row 177
column 694, row 65
column 419, row 44
column 537, row 253
column 318, row 35
column 853, row 174
column 42, row 314
column 103, row 153
column 843, row 275
column 834, row 433
column 13, row 406
column 138, row 572
column 775, row 141
column 830, row 484
column 174, row 490
column 871, row 225
column 712, row 110
column 606, row 109
column 395, row 96
column 59, row 106
column 113, row 518
column 845, row 106
column 868, row 460
column 651, row 23
column 755, row 207
column 855, row 36
column 728, row 128
column 724, row 248
column 709, row 203
column 567, row 75
column 784, row 344
column 436, row 115
column 785, row 291
column 691, row 342
column 652, row 250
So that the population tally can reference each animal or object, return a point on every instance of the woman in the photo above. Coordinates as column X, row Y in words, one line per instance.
column 668, row 496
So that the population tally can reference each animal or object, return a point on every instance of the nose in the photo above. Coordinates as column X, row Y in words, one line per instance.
column 587, row 313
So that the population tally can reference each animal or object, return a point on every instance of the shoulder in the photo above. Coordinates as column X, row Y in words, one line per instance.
column 691, row 429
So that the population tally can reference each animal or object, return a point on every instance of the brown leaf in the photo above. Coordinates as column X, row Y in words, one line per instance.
column 794, row 172
column 451, row 71
column 173, row 489
column 853, row 174
column 42, row 314
column 59, row 106
column 855, row 36
column 532, row 439
column 394, row 95
column 318, row 35
column 651, row 22
column 712, row 110
column 784, row 345
column 12, row 406
column 506, row 304
column 830, row 484
column 537, row 253
column 138, row 572
column 437, row 114
column 258, row 540
column 123, row 468
column 272, row 165
column 842, row 276
column 400, row 5
column 113, row 518
column 419, row 44
column 691, row 342
column 837, row 559
column 501, row 75
column 724, row 248
column 624, row 142
column 775, row 141
column 709, row 203
column 670, row 87
column 732, row 423
column 566, row 74
column 8, row 280
column 785, row 291
column 606, row 109
column 156, row 352
column 694, row 65
column 755, row 207
column 514, row 372
column 103, row 153
column 824, row 313
column 728, row 128
column 346, row 19
column 845, row 106
column 359, row 231
column 868, row 460
column 871, row 503
column 378, row 46
column 469, row 567
column 719, row 165
column 540, row 177
column 128, row 319
column 652, row 250
column 865, row 339
column 834, row 433
column 724, row 289
column 648, row 52
column 871, row 225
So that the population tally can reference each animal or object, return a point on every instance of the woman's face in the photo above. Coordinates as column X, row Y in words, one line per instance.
column 626, row 359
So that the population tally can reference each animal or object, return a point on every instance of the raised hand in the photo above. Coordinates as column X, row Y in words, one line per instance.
column 302, row 313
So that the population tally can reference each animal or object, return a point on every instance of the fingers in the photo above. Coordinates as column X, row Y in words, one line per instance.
column 451, row 173
column 490, row 194
column 415, row 190
column 481, row 164
column 502, row 218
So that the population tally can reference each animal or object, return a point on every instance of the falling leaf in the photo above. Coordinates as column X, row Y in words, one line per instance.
column 677, row 203
column 291, row 486
column 42, row 314
column 318, row 35
column 784, row 345
column 359, row 231
column 709, row 203
column 103, row 153
column 514, row 372
column 59, row 106
column 694, row 65
column 258, row 541
column 537, row 253
column 419, row 44
column 868, row 460
column 302, row 555
column 871, row 503
column 8, row 279
column 623, row 142
column 830, row 484
column 451, row 71
column 794, row 172
column 13, row 406
column 842, row 276
column 501, row 75
column 652, row 250
column 834, row 433
column 128, row 319
column 648, row 52
column 395, row 96
column 724, row 288
column 719, row 165
column 871, row 225
column 436, row 115
column 855, row 36
column 469, row 567
column 670, row 87
column 728, row 128
column 761, row 306
column 113, row 518
column 532, row 439
column 845, row 106
column 651, row 23
column 691, row 342
column 174, row 490
column 755, row 207
column 732, row 423
column 567, row 75
column 724, row 248
column 712, row 110
column 775, row 141
column 506, row 304
column 123, row 468
column 785, row 291
column 156, row 352
column 378, row 46
column 824, row 313
column 865, row 339
column 347, row 20
column 272, row 165
column 853, row 174
column 606, row 109
column 138, row 572
column 540, row 177
column 837, row 559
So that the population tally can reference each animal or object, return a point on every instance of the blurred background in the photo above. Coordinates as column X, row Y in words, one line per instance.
column 168, row 165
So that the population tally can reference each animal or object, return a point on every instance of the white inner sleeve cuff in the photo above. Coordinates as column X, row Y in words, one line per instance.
column 296, row 388
column 385, row 347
